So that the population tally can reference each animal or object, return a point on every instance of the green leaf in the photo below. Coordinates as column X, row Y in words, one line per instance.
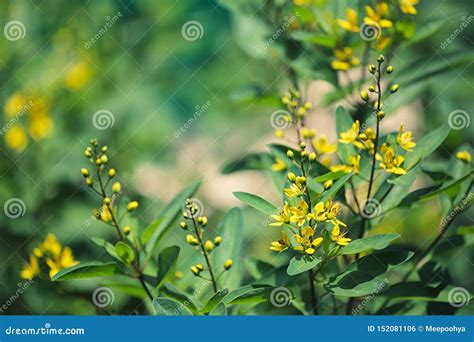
column 176, row 294
column 427, row 145
column 379, row 241
column 148, row 231
column 343, row 123
column 329, row 176
column 314, row 38
column 232, row 231
column 169, row 307
column 253, row 161
column 167, row 260
column 334, row 189
column 418, row 291
column 86, row 270
column 256, row 202
column 109, row 248
column 125, row 252
column 258, row 268
column 215, row 300
column 299, row 264
column 167, row 216
column 219, row 310
column 249, row 294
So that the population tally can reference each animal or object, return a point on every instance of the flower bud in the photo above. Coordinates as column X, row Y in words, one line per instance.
column 228, row 264
column 89, row 181
column 301, row 112
column 279, row 133
column 178, row 274
column 327, row 184
column 300, row 180
column 107, row 200
column 291, row 177
column 308, row 105
column 195, row 270
column 127, row 230
column 381, row 59
column 104, row 159
column 290, row 154
column 85, row 172
column 104, row 148
column 303, row 145
column 192, row 240
column 217, row 240
column 372, row 89
column 394, row 88
column 285, row 100
column 131, row 206
column 372, row 68
column 293, row 103
column 88, row 152
column 183, row 225
column 202, row 220
column 38, row 252
column 312, row 156
column 208, row 245
column 380, row 114
column 200, row 267
column 111, row 173
column 98, row 162
column 364, row 96
column 304, row 154
column 389, row 69
column 116, row 187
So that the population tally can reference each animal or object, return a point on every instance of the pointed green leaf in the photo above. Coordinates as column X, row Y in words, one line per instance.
column 379, row 241
column 256, row 202
column 166, row 263
column 86, row 270
column 125, row 252
column 215, row 300
column 169, row 307
column 299, row 264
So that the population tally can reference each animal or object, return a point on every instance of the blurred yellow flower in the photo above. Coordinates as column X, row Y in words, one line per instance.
column 464, row 156
column 339, row 237
column 282, row 244
column 375, row 16
column 344, row 59
column 283, row 217
column 408, row 6
column 322, row 146
column 351, row 24
column 279, row 165
column 78, row 75
column 391, row 162
column 404, row 139
column 51, row 245
column 293, row 191
column 15, row 104
column 31, row 270
column 302, row 2
column 354, row 166
column 40, row 126
column 64, row 259
column 16, row 138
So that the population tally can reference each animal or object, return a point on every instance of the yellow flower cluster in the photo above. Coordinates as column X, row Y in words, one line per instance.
column 56, row 257
column 78, row 75
column 38, row 122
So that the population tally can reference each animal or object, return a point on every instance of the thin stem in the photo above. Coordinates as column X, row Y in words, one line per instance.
column 145, row 287
column 206, row 256
column 314, row 298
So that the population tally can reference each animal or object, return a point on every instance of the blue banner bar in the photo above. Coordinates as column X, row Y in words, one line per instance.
column 254, row 328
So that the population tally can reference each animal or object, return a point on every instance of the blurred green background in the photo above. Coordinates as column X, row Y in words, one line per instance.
column 152, row 80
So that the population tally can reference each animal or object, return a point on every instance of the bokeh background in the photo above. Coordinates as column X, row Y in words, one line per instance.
column 130, row 60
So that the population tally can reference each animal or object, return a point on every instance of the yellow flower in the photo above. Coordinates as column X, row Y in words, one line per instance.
column 382, row 42
column 15, row 104
column 408, row 6
column 294, row 190
column 63, row 260
column 391, row 162
column 308, row 133
column 302, row 2
column 299, row 213
column 352, row 135
column 464, row 156
column 39, row 107
column 283, row 217
column 322, row 146
column 375, row 16
column 404, row 139
column 344, row 59
column 31, row 270
column 339, row 238
column 327, row 211
column 354, row 166
column 351, row 23
column 131, row 206
column 306, row 241
column 40, row 126
column 279, row 165
column 78, row 75
column 105, row 214
column 16, row 138
column 51, row 245
column 282, row 244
